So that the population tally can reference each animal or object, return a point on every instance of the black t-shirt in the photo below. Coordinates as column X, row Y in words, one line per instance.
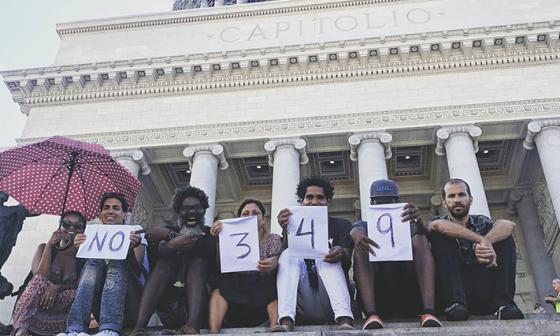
column 339, row 232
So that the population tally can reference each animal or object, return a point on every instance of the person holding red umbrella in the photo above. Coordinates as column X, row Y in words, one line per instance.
column 110, row 275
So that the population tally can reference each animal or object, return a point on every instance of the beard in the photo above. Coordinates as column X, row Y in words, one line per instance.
column 459, row 213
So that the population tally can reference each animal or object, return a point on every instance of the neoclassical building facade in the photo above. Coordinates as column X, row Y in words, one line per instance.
column 244, row 100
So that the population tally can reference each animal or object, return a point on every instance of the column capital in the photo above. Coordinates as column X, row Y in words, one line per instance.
column 135, row 155
column 515, row 196
column 534, row 128
column 298, row 143
column 356, row 139
column 444, row 133
column 215, row 149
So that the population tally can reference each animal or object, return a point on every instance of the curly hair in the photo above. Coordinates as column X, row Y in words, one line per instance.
column 251, row 201
column 117, row 196
column 316, row 181
column 189, row 191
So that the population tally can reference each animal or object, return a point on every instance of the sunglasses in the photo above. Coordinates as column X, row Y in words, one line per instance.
column 72, row 226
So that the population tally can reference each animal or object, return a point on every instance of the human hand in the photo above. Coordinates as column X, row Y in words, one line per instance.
column 485, row 254
column 154, row 234
column 268, row 264
column 135, row 240
column 550, row 299
column 184, row 242
column 410, row 213
column 49, row 296
column 216, row 228
column 55, row 238
column 283, row 217
column 79, row 239
column 362, row 241
column 335, row 255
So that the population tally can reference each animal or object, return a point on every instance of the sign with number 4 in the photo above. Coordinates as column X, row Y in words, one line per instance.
column 308, row 232
column 239, row 244
column 386, row 229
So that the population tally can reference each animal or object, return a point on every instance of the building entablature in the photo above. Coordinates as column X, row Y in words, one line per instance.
column 287, row 66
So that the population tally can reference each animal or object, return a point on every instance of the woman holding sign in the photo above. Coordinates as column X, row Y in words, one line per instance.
column 45, row 302
column 247, row 298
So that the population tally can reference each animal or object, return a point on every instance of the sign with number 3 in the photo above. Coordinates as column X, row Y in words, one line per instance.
column 239, row 244
column 308, row 232
column 386, row 229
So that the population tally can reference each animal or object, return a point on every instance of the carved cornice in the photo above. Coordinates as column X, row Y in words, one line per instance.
column 215, row 149
column 444, row 133
column 382, row 138
column 292, row 65
column 216, row 13
column 135, row 155
column 534, row 128
column 339, row 124
column 297, row 143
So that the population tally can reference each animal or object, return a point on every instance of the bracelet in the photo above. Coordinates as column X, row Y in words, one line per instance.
column 171, row 234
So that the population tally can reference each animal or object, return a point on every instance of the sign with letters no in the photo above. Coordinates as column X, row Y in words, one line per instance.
column 308, row 232
column 386, row 229
column 106, row 241
column 239, row 244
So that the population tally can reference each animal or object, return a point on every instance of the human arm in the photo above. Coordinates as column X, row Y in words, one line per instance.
column 453, row 230
column 42, row 262
column 179, row 244
column 501, row 230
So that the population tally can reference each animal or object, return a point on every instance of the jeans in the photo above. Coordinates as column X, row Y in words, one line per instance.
column 112, row 274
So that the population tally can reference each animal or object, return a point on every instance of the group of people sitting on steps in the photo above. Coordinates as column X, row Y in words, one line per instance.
column 462, row 264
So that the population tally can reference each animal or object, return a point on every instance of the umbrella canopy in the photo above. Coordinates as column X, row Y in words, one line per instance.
column 61, row 174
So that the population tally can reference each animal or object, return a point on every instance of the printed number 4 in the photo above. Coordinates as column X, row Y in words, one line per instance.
column 312, row 232
column 240, row 243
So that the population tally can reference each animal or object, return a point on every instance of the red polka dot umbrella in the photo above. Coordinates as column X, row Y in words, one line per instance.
column 61, row 174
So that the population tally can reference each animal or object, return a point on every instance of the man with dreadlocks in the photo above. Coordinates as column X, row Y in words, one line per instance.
column 177, row 284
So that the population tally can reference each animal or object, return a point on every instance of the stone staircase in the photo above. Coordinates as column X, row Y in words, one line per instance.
column 533, row 325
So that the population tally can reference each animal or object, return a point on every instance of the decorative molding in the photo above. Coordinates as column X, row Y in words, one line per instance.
column 547, row 216
column 180, row 75
column 341, row 123
column 297, row 143
column 135, row 155
column 444, row 133
column 515, row 196
column 215, row 149
column 383, row 138
column 180, row 17
column 535, row 127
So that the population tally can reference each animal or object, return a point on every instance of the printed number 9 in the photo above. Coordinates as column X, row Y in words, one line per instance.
column 389, row 229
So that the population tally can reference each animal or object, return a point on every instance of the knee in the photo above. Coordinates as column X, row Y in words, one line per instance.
column 198, row 263
column 506, row 246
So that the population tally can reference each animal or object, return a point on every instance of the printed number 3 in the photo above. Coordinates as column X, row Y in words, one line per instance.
column 312, row 232
column 240, row 243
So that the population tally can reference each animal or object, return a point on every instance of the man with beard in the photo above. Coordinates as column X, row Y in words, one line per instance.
column 475, row 259
column 315, row 289
column 186, row 258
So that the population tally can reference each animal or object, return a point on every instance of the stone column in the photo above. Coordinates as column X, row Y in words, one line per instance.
column 546, row 135
column 133, row 160
column 522, row 203
column 460, row 144
column 204, row 161
column 284, row 155
column 370, row 150
column 437, row 208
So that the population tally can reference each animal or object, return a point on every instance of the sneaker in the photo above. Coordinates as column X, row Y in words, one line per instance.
column 509, row 312
column 429, row 320
column 373, row 322
column 456, row 312
column 72, row 333
column 106, row 332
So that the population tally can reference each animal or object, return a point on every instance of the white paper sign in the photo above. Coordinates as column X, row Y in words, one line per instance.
column 308, row 232
column 386, row 229
column 106, row 241
column 239, row 244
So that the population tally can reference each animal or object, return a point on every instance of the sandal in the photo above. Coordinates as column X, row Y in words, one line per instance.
column 187, row 330
column 137, row 332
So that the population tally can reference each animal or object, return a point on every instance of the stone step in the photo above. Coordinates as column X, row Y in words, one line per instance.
column 533, row 325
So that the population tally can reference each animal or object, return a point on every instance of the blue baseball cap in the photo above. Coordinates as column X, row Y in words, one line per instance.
column 383, row 188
